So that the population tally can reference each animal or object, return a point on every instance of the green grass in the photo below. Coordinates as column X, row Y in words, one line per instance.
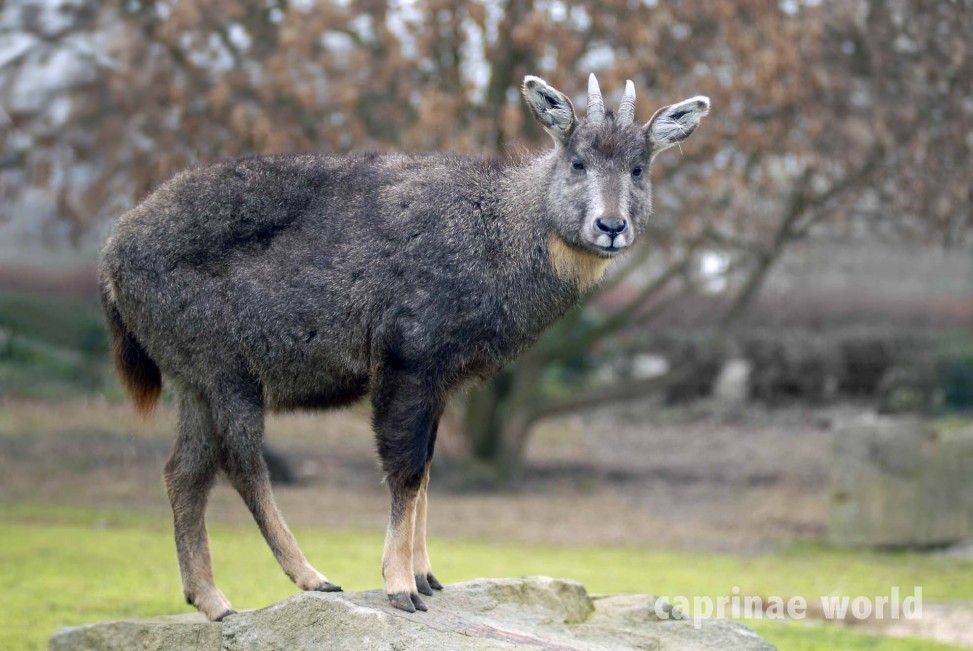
column 800, row 636
column 61, row 566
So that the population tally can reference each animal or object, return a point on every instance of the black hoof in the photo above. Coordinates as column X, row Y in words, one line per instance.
column 417, row 602
column 327, row 586
column 423, row 585
column 402, row 601
column 229, row 611
column 433, row 583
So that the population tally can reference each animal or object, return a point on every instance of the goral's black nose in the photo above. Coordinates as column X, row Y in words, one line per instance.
column 612, row 227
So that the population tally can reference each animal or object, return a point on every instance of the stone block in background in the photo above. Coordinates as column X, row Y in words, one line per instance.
column 901, row 482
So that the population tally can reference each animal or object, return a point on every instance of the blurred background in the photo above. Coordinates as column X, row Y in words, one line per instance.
column 774, row 391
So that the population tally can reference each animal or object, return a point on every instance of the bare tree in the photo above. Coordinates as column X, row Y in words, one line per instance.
column 832, row 118
column 813, row 140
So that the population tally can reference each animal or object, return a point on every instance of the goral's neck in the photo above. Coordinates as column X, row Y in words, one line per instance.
column 546, row 276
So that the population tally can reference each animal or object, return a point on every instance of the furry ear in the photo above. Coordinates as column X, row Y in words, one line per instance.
column 674, row 123
column 550, row 107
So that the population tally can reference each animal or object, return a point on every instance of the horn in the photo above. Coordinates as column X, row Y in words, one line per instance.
column 596, row 105
column 626, row 110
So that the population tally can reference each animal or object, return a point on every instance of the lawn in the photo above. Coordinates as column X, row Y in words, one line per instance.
column 61, row 566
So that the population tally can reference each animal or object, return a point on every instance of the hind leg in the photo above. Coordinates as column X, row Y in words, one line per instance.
column 406, row 411
column 189, row 475
column 240, row 420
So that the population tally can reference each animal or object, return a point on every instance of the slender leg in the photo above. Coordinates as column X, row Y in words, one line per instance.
column 400, row 584
column 406, row 411
column 425, row 581
column 239, row 420
column 189, row 475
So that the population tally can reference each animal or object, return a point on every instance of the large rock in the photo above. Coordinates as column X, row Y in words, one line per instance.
column 899, row 482
column 533, row 613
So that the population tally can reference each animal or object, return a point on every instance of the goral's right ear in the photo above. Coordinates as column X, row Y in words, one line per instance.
column 550, row 107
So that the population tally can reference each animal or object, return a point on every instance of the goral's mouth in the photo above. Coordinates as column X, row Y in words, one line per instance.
column 610, row 246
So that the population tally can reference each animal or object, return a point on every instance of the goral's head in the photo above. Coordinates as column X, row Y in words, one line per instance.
column 601, row 194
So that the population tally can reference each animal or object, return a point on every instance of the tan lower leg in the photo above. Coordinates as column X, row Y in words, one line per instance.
column 192, row 548
column 281, row 540
column 397, row 558
column 197, row 576
column 189, row 475
column 420, row 557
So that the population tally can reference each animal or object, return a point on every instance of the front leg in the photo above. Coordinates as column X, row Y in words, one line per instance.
column 400, row 583
column 425, row 581
column 406, row 411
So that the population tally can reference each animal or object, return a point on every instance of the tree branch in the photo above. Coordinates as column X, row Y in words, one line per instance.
column 798, row 205
column 847, row 182
column 620, row 319
column 601, row 395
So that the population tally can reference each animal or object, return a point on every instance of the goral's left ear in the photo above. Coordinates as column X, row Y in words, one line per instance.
column 550, row 107
column 674, row 123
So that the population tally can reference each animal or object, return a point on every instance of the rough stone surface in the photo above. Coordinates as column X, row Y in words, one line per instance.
column 900, row 482
column 532, row 613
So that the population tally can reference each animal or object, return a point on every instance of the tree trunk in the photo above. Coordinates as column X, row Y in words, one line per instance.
column 498, row 417
column 519, row 413
column 481, row 420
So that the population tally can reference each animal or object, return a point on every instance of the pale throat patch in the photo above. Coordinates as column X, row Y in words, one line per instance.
column 571, row 264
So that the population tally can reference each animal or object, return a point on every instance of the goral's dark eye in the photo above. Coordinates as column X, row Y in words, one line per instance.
column 577, row 166
column 637, row 171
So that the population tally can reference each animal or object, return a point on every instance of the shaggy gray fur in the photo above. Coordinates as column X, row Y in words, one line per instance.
column 303, row 281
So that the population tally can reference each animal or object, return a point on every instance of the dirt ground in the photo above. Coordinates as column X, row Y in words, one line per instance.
column 699, row 477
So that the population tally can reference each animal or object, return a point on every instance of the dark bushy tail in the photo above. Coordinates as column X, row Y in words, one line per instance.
column 136, row 371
